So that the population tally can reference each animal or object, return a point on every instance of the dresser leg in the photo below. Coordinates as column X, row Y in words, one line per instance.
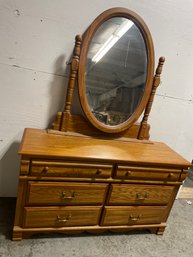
column 160, row 231
column 16, row 236
column 153, row 230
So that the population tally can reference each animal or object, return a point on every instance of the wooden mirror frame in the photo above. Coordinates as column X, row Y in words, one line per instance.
column 66, row 122
column 87, row 37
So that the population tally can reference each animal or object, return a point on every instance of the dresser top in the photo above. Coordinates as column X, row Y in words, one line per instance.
column 39, row 143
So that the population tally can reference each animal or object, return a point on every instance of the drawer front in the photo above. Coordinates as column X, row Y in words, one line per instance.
column 140, row 194
column 133, row 215
column 147, row 173
column 60, row 216
column 71, row 170
column 64, row 193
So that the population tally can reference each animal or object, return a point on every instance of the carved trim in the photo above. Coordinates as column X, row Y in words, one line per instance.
column 71, row 82
column 20, row 232
column 156, row 83
column 24, row 167
column 57, row 121
column 79, row 124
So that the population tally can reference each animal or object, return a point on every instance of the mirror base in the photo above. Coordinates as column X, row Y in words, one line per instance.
column 78, row 124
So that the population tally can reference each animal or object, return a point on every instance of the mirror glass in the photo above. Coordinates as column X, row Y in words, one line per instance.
column 116, row 71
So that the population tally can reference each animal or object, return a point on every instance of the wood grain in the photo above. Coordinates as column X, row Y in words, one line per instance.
column 60, row 216
column 147, row 173
column 24, row 166
column 20, row 203
column 140, row 194
column 40, row 143
column 61, row 193
column 73, row 73
column 133, row 215
column 78, row 124
column 67, row 169
column 156, row 83
column 19, row 232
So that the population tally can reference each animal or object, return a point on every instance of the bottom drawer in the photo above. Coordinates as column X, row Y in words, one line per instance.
column 133, row 215
column 60, row 216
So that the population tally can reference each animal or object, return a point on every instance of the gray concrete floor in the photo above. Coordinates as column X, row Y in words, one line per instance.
column 176, row 241
column 188, row 182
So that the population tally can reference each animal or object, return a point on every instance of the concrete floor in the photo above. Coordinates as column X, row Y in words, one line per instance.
column 188, row 182
column 176, row 241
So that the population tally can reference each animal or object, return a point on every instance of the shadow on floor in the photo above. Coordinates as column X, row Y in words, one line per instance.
column 7, row 207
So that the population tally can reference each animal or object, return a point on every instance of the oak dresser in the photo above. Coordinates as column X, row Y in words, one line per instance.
column 97, row 170
column 74, row 184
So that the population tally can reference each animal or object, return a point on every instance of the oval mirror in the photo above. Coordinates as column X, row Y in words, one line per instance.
column 116, row 70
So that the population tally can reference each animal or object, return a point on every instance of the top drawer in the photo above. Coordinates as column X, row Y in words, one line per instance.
column 71, row 170
column 147, row 173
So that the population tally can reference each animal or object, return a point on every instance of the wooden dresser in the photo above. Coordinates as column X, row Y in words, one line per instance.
column 74, row 184
column 99, row 171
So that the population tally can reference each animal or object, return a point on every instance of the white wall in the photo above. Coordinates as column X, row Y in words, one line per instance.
column 36, row 39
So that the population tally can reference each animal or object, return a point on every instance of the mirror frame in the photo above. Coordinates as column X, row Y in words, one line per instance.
column 87, row 37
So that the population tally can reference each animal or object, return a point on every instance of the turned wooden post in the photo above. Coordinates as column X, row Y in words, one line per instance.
column 156, row 83
column 74, row 69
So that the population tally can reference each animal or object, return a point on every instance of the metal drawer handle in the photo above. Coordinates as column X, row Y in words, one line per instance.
column 170, row 175
column 131, row 217
column 139, row 196
column 63, row 195
column 62, row 220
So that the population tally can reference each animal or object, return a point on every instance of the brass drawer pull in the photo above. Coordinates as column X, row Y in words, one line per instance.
column 128, row 173
column 139, row 196
column 62, row 220
column 63, row 195
column 170, row 175
column 131, row 217
column 98, row 172
column 45, row 169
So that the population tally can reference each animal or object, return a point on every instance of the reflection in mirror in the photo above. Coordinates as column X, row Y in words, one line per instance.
column 116, row 71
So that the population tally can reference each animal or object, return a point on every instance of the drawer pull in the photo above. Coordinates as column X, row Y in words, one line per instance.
column 63, row 220
column 45, row 169
column 98, row 172
column 128, row 173
column 170, row 175
column 134, row 218
column 63, row 195
column 139, row 196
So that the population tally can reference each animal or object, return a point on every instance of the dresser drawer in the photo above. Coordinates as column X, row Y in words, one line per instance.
column 65, row 193
column 133, row 215
column 60, row 216
column 71, row 170
column 147, row 173
column 139, row 194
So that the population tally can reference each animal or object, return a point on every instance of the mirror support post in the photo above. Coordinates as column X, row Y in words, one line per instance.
column 73, row 73
column 156, row 83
